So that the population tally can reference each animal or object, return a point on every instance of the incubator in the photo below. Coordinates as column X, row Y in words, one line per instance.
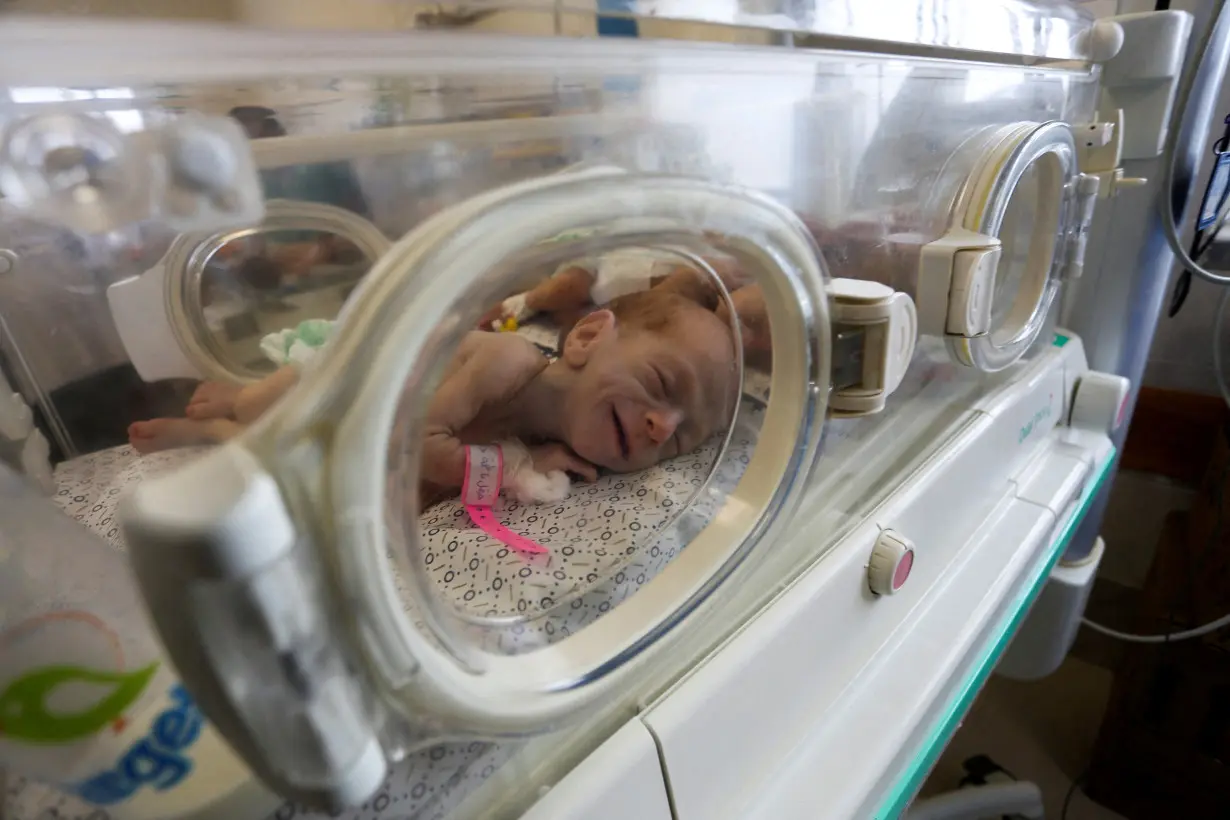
column 837, row 259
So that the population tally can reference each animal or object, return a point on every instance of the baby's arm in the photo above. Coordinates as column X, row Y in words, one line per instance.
column 754, row 326
column 567, row 289
column 685, row 280
column 487, row 369
column 490, row 370
column 691, row 284
column 564, row 292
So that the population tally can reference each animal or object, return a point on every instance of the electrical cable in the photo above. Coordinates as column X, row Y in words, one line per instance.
column 1067, row 798
column 1214, row 537
column 1185, row 635
column 1206, row 230
column 1201, row 242
column 1219, row 323
column 1170, row 228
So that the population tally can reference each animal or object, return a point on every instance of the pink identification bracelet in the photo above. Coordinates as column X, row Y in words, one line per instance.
column 481, row 488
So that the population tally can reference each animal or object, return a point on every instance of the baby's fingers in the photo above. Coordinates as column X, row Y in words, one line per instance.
column 491, row 317
column 582, row 468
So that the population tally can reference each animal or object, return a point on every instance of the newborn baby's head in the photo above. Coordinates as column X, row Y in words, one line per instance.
column 655, row 375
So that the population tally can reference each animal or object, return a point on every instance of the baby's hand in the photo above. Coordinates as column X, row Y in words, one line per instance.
column 532, row 487
column 555, row 456
column 492, row 318
column 729, row 270
column 537, row 475
column 513, row 307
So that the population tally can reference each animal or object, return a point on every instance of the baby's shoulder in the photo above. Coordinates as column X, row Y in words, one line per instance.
column 505, row 354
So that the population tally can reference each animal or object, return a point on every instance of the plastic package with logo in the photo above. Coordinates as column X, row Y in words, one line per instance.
column 89, row 700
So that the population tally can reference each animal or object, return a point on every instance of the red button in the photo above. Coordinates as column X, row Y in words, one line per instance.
column 902, row 573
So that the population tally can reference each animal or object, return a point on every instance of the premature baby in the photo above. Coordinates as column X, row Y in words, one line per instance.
column 648, row 377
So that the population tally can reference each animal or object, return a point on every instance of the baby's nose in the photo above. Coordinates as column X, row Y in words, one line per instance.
column 660, row 424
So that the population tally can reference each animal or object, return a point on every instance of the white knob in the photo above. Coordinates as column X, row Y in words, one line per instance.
column 201, row 159
column 1099, row 401
column 1105, row 41
column 892, row 558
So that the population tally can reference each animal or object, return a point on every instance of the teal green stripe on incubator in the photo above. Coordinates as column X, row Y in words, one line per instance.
column 903, row 791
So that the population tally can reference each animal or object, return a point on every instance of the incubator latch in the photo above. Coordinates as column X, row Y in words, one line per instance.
column 875, row 328
column 244, row 611
column 973, row 284
column 79, row 170
column 956, row 283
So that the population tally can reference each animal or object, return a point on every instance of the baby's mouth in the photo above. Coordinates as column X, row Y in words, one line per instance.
column 620, row 435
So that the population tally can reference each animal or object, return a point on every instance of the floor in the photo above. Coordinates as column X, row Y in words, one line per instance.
column 1042, row 731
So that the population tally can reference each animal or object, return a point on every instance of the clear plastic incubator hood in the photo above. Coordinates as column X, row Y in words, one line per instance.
column 285, row 309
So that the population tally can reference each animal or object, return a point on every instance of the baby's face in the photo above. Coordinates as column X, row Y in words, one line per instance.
column 645, row 396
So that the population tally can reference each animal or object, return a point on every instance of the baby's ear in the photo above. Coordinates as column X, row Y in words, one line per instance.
column 587, row 335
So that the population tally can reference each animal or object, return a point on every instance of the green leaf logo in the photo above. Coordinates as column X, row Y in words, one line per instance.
column 24, row 714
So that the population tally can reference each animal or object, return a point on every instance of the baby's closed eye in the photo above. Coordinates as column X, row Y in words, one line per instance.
column 658, row 384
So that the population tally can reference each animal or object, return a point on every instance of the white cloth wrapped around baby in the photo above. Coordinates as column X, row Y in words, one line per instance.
column 298, row 345
column 527, row 485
